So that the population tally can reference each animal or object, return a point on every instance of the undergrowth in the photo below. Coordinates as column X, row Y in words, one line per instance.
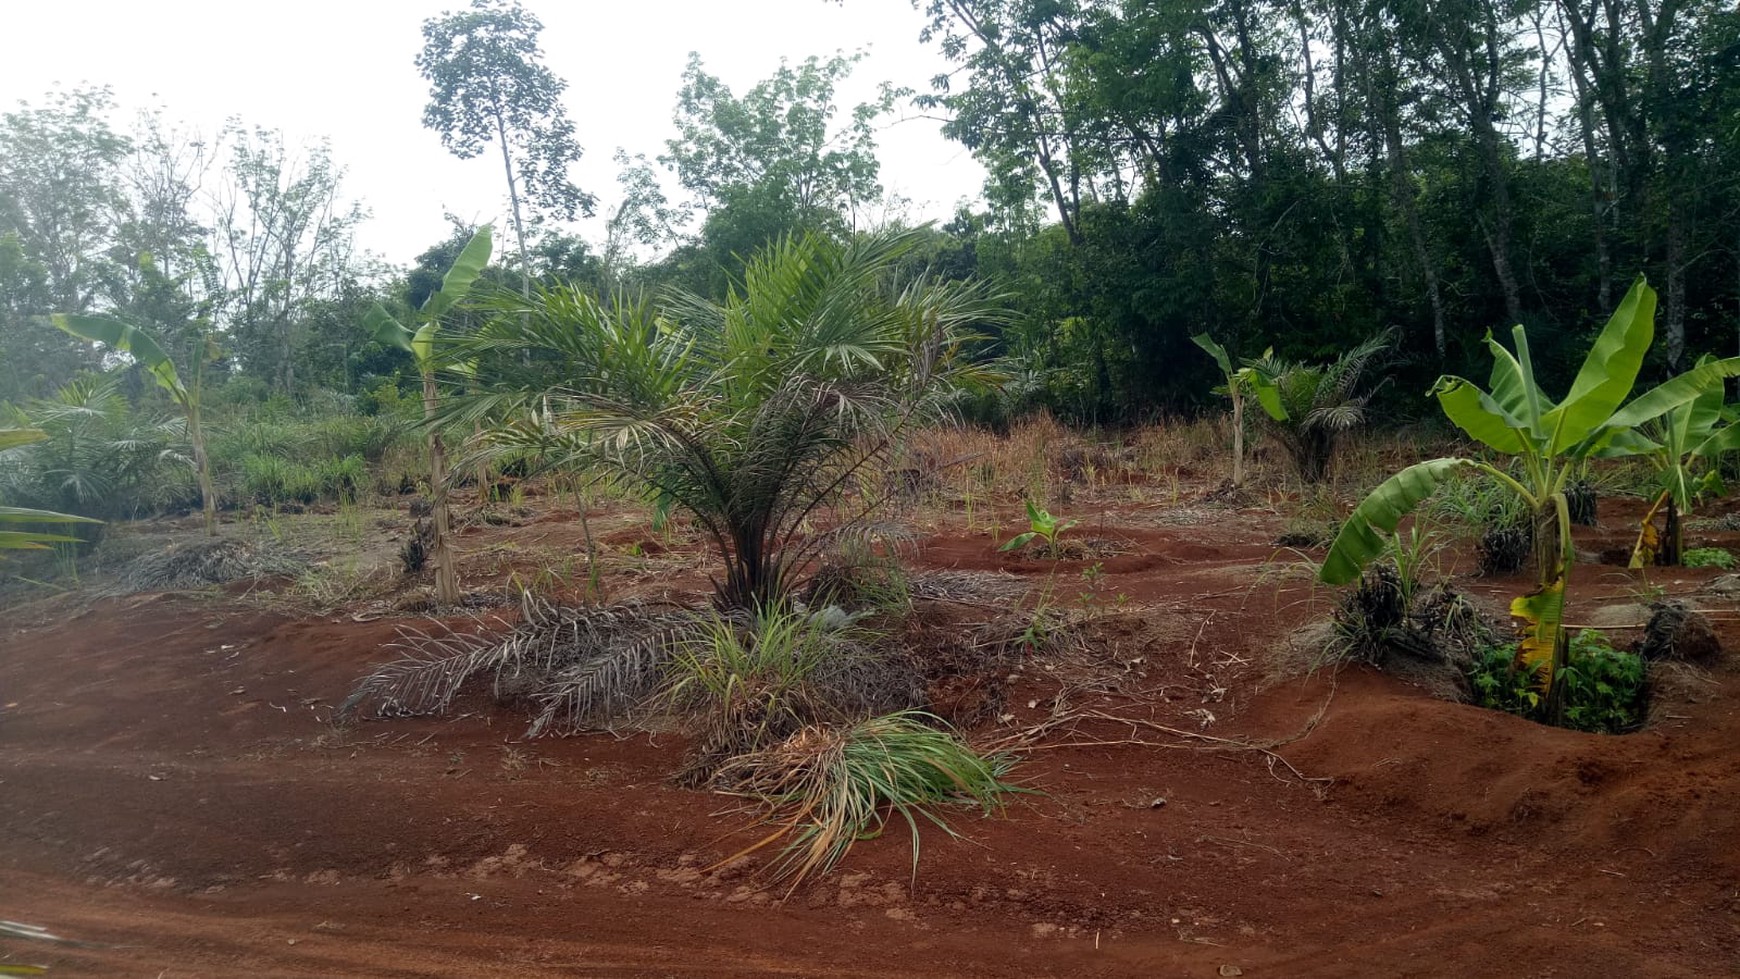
column 1605, row 688
column 1709, row 557
column 828, row 787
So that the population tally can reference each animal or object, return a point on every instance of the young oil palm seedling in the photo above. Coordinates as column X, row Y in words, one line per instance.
column 1549, row 441
column 123, row 338
column 98, row 457
column 23, row 528
column 756, row 414
column 830, row 787
column 1311, row 407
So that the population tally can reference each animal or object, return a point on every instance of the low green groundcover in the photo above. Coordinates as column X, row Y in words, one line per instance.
column 1604, row 687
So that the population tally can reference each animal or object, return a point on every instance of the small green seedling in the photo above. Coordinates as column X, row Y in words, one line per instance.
column 1043, row 525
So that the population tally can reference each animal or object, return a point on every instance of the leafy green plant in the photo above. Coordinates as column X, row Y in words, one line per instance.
column 1311, row 406
column 1239, row 381
column 271, row 480
column 420, row 339
column 1681, row 446
column 1041, row 525
column 123, row 338
column 755, row 413
column 1549, row 442
column 21, row 527
column 1604, row 688
column 754, row 679
column 829, row 788
column 1710, row 557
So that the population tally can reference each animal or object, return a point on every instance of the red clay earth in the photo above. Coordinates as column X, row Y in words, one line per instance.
column 173, row 793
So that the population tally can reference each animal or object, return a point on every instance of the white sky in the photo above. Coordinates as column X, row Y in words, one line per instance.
column 343, row 69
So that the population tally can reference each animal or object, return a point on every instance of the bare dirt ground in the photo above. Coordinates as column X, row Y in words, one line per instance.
column 174, row 793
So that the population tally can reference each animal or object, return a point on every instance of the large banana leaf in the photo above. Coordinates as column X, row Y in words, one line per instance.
column 1480, row 415
column 1608, row 372
column 1374, row 520
column 1258, row 383
column 1544, row 612
column 1216, row 351
column 385, row 329
column 458, row 280
column 128, row 339
column 29, row 539
column 1268, row 395
column 1513, row 385
column 389, row 332
column 1672, row 393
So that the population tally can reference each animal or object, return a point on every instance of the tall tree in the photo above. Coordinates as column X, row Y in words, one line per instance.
column 284, row 239
column 780, row 158
column 61, row 204
column 488, row 84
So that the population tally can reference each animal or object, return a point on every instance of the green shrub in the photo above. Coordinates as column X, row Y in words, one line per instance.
column 830, row 787
column 370, row 437
column 1709, row 557
column 343, row 477
column 271, row 480
column 1605, row 689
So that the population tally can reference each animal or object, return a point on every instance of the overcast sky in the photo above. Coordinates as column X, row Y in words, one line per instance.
column 343, row 69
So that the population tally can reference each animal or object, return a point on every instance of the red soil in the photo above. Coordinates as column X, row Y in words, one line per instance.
column 172, row 791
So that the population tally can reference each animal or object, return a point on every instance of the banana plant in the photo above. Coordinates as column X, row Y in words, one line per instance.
column 129, row 339
column 1678, row 445
column 31, row 537
column 1549, row 441
column 420, row 339
column 1041, row 526
column 1238, row 381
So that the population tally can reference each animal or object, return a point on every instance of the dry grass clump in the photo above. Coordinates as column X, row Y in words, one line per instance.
column 210, row 561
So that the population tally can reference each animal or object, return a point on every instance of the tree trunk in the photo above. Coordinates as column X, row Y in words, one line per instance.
column 1238, row 436
column 507, row 165
column 1553, row 568
column 1673, row 318
column 202, row 464
column 446, row 580
column 1673, row 538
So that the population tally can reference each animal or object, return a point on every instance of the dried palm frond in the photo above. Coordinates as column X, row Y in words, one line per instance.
column 579, row 666
column 211, row 561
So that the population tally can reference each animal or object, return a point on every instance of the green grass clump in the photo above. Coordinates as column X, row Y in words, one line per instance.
column 754, row 681
column 1709, row 557
column 1605, row 689
column 270, row 479
column 830, row 787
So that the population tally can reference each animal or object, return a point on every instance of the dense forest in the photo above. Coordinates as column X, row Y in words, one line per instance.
column 1303, row 176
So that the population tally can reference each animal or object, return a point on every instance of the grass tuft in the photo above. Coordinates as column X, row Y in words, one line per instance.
column 827, row 787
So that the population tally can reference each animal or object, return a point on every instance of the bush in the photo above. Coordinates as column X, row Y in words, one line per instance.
column 270, row 480
column 1709, row 557
column 342, row 478
column 829, row 787
column 1605, row 690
